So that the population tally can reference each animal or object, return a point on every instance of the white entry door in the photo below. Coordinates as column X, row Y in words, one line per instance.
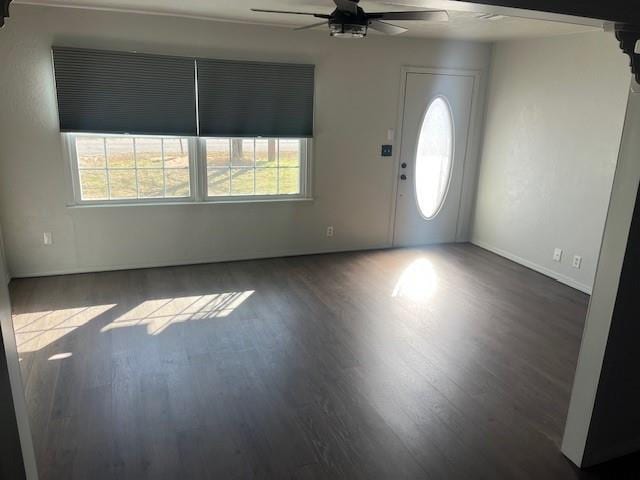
column 435, row 126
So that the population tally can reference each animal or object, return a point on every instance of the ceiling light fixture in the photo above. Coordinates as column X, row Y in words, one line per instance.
column 347, row 30
column 348, row 20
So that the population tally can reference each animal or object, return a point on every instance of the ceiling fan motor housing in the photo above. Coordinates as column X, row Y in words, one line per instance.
column 346, row 25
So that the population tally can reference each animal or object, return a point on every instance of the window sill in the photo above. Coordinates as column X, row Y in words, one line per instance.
column 190, row 202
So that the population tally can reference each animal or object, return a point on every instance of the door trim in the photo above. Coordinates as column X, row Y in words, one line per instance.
column 472, row 143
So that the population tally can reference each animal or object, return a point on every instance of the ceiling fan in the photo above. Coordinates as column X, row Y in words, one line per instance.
column 349, row 20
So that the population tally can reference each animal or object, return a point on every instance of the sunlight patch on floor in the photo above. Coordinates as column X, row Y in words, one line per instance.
column 418, row 282
column 159, row 314
column 36, row 330
column 60, row 356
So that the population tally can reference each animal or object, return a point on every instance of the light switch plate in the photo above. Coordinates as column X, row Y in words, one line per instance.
column 391, row 133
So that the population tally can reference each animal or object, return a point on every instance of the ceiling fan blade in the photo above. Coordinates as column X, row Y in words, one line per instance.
column 347, row 6
column 428, row 15
column 386, row 28
column 318, row 15
column 313, row 25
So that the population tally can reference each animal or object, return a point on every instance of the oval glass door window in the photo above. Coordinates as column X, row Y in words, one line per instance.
column 434, row 158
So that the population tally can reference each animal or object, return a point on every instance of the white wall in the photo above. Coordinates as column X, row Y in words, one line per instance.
column 357, row 88
column 13, row 367
column 555, row 110
column 581, row 443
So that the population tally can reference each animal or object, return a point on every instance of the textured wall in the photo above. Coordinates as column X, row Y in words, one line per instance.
column 357, row 89
column 603, row 419
column 555, row 110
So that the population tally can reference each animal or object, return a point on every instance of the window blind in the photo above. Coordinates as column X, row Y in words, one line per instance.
column 121, row 92
column 251, row 99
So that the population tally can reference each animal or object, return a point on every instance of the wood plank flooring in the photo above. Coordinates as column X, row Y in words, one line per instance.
column 441, row 363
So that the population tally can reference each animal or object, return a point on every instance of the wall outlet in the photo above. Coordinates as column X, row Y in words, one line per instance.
column 47, row 238
column 330, row 231
column 577, row 261
column 557, row 255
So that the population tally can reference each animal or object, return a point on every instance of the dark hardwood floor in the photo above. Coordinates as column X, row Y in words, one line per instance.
column 440, row 363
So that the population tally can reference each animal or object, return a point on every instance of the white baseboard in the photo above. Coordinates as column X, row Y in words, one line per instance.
column 534, row 266
column 213, row 259
column 292, row 253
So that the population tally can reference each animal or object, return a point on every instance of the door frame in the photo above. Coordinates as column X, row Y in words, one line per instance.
column 472, row 143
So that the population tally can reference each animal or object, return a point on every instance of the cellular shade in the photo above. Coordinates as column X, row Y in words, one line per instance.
column 121, row 92
column 238, row 98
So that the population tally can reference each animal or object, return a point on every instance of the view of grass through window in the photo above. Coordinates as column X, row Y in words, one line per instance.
column 138, row 168
column 253, row 166
column 124, row 167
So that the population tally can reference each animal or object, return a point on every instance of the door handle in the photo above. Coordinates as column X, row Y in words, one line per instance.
column 403, row 177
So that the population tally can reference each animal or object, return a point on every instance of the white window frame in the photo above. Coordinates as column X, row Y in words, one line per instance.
column 70, row 144
column 197, row 175
column 305, row 181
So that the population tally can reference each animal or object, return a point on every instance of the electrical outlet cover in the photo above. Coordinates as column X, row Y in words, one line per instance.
column 577, row 261
column 557, row 254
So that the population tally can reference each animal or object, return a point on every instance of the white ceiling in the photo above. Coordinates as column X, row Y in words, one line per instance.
column 468, row 24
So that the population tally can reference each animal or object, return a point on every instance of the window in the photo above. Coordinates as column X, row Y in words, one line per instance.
column 434, row 158
column 128, row 168
column 254, row 166
column 146, row 169
column 183, row 129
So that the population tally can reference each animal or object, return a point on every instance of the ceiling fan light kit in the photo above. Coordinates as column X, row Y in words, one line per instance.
column 349, row 20
column 347, row 30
